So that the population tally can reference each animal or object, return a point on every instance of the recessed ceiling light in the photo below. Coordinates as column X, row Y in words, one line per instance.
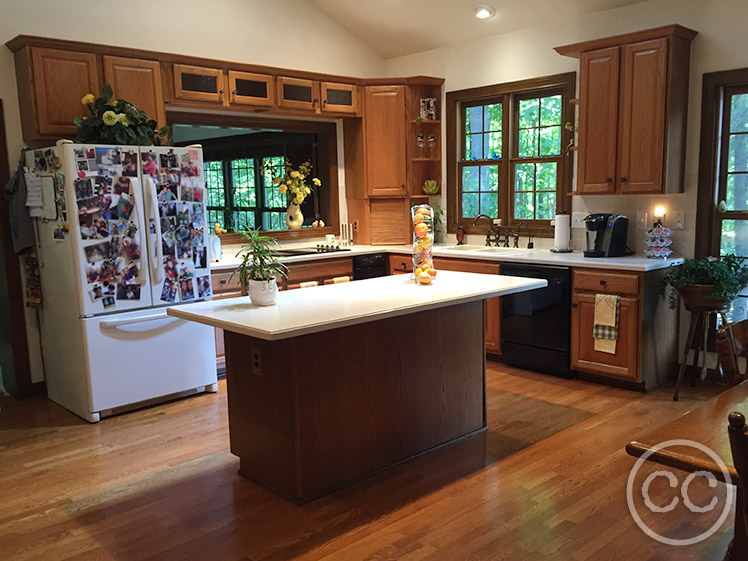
column 484, row 11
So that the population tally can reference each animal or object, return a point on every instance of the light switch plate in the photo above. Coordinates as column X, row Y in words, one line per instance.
column 577, row 219
column 641, row 220
column 679, row 220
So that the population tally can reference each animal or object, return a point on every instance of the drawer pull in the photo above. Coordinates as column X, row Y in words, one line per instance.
column 603, row 283
column 223, row 281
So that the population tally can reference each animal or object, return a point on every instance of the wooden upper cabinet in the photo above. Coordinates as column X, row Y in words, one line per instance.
column 642, row 140
column 139, row 82
column 339, row 98
column 60, row 80
column 199, row 84
column 633, row 110
column 384, row 133
column 598, row 110
column 297, row 93
column 252, row 89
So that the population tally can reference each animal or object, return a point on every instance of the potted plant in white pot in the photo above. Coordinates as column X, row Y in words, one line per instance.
column 259, row 268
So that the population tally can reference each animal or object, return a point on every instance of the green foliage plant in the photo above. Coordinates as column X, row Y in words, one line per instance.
column 727, row 274
column 259, row 261
column 117, row 122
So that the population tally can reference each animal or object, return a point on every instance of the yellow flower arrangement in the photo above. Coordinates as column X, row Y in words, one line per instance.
column 122, row 118
column 87, row 99
column 293, row 182
column 110, row 118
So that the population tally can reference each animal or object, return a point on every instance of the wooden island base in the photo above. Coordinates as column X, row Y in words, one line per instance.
column 311, row 414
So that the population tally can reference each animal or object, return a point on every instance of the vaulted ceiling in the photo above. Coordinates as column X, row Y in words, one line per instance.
column 399, row 27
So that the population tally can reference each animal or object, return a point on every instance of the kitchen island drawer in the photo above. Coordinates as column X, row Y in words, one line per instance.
column 222, row 282
column 594, row 280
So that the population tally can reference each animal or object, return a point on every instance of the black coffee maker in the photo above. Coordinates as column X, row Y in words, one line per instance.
column 606, row 235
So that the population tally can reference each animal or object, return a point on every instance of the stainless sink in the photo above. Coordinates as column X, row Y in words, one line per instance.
column 461, row 247
column 512, row 250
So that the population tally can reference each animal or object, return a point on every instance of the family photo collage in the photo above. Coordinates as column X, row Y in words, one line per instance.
column 105, row 198
column 181, row 204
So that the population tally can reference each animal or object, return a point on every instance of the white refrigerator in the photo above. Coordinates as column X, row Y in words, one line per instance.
column 135, row 244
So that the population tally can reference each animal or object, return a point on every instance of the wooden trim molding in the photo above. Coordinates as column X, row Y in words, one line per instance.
column 576, row 49
column 713, row 86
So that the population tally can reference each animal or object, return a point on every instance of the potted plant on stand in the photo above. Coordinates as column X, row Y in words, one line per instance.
column 259, row 268
column 707, row 283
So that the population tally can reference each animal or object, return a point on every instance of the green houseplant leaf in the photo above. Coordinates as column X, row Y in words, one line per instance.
column 727, row 274
column 258, row 258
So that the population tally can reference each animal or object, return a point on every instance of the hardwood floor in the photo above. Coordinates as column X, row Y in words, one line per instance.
column 546, row 481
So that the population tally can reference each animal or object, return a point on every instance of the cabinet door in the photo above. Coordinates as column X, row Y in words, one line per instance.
column 401, row 264
column 295, row 93
column 339, row 98
column 139, row 82
column 642, row 139
column 199, row 84
column 598, row 120
column 493, row 305
column 384, row 134
column 252, row 89
column 625, row 362
column 61, row 79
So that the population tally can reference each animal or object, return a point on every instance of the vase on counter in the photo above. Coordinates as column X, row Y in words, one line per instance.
column 294, row 217
column 262, row 292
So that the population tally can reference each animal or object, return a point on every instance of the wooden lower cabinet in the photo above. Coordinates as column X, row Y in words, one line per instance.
column 493, row 305
column 625, row 362
column 319, row 271
column 224, row 286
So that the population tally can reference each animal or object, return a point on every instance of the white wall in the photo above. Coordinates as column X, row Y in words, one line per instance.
column 283, row 33
column 722, row 44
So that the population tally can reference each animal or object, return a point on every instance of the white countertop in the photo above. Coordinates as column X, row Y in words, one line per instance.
column 321, row 308
column 640, row 263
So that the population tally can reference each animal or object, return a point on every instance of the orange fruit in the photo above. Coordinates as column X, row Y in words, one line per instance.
column 421, row 230
column 432, row 272
column 418, row 218
column 425, row 265
column 419, row 272
column 425, row 279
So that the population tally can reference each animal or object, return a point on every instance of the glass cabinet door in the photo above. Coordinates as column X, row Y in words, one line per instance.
column 251, row 89
column 296, row 93
column 200, row 84
column 339, row 98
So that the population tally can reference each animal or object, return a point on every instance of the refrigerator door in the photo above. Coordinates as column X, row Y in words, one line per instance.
column 143, row 355
column 174, row 191
column 107, row 225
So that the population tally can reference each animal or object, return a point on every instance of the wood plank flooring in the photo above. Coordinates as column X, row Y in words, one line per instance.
column 546, row 481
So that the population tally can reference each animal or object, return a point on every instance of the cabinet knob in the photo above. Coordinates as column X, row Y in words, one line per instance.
column 574, row 304
column 608, row 180
column 402, row 186
column 234, row 91
column 603, row 283
column 223, row 281
column 624, row 180
column 220, row 91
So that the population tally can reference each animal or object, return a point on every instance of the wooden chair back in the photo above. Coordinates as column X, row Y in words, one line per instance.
column 732, row 342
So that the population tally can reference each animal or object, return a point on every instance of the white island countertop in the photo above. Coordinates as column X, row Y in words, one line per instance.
column 321, row 308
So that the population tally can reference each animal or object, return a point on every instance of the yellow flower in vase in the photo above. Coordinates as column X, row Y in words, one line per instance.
column 295, row 174
column 87, row 99
column 110, row 118
column 282, row 189
column 317, row 182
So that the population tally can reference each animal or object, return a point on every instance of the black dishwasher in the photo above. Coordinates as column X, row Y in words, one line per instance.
column 369, row 266
column 535, row 325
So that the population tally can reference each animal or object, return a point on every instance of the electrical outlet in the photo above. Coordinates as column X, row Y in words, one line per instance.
column 577, row 219
column 679, row 220
column 641, row 220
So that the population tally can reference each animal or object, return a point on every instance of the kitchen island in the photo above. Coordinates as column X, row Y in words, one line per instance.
column 337, row 382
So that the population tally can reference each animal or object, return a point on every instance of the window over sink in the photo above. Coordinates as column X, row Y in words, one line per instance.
column 510, row 158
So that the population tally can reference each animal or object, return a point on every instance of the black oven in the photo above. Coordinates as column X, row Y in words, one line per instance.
column 535, row 325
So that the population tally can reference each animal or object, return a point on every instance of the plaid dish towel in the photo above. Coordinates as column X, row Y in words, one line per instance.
column 604, row 330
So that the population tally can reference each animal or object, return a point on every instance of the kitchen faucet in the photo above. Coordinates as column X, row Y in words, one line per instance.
column 489, row 238
column 530, row 243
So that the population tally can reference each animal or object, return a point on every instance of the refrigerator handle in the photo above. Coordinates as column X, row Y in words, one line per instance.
column 138, row 194
column 157, row 275
column 142, row 319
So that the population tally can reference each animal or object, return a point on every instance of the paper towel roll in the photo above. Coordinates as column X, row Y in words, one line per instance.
column 561, row 232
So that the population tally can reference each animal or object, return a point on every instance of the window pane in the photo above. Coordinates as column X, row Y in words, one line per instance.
column 739, row 113
column 739, row 310
column 738, row 156
column 272, row 167
column 489, row 178
column 473, row 119
column 470, row 179
column 492, row 117
column 528, row 113
column 215, row 216
column 470, row 205
column 528, row 143
column 550, row 110
column 243, row 183
column 524, row 177
column 214, row 183
column 474, row 147
column 524, row 206
column 489, row 204
column 546, row 208
column 546, row 176
column 492, row 145
column 243, row 219
column 734, row 237
column 550, row 141
column 737, row 191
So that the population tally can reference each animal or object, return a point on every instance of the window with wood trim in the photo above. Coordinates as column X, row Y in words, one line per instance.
column 506, row 153
column 723, row 171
